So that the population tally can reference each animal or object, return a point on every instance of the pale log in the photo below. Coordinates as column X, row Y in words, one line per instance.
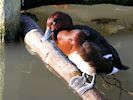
column 52, row 56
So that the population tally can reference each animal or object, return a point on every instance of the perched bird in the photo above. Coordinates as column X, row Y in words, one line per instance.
column 85, row 47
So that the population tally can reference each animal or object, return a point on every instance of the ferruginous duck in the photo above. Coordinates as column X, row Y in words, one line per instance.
column 85, row 47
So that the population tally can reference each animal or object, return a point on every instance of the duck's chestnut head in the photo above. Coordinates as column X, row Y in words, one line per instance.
column 55, row 22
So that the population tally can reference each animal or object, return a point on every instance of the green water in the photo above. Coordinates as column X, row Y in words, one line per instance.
column 26, row 77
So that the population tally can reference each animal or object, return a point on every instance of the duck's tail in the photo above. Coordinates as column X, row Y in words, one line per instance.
column 116, row 69
column 123, row 67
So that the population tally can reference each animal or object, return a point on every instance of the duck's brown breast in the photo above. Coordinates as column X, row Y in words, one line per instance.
column 70, row 40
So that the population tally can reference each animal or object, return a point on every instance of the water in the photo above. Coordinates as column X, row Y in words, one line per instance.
column 83, row 14
column 123, row 44
column 27, row 78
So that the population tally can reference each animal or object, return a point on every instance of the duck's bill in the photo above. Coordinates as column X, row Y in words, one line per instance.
column 47, row 34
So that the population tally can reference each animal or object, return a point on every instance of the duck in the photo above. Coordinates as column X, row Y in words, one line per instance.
column 83, row 46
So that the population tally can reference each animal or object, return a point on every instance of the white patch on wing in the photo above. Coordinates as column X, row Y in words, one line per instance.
column 107, row 56
column 115, row 70
column 81, row 64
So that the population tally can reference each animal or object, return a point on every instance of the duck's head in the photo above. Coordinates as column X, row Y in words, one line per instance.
column 55, row 22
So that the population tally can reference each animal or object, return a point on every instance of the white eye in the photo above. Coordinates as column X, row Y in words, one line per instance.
column 54, row 23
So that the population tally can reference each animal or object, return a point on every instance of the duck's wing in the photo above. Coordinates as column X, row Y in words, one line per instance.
column 105, row 47
column 95, row 37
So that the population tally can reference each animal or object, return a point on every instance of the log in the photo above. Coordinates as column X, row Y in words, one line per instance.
column 53, row 57
column 28, row 4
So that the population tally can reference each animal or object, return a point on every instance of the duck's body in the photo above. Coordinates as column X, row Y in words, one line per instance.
column 75, row 41
column 85, row 47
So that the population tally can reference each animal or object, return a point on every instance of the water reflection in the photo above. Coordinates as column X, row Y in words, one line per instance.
column 2, row 68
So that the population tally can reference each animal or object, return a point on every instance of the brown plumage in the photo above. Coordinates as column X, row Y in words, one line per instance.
column 82, row 45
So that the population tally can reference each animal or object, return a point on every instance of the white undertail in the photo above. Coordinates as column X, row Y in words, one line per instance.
column 81, row 64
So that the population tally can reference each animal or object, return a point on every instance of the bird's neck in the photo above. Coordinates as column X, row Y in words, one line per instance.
column 54, row 36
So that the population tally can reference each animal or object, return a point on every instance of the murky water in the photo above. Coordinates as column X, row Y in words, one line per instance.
column 26, row 77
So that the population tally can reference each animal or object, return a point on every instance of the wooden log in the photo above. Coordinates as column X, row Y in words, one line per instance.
column 53, row 57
